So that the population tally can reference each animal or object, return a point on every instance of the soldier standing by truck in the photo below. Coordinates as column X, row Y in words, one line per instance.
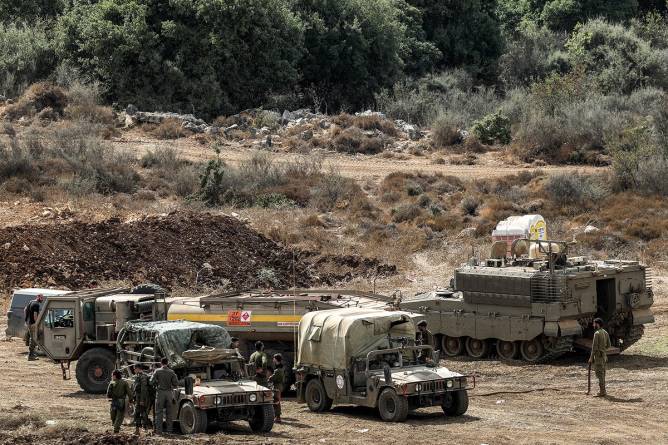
column 117, row 391
column 31, row 313
column 260, row 361
column 599, row 355
column 165, row 382
column 142, row 396
column 277, row 380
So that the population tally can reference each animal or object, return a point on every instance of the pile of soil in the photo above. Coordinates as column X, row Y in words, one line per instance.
column 167, row 250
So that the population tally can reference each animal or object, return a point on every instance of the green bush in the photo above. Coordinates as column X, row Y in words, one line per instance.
column 492, row 128
column 567, row 188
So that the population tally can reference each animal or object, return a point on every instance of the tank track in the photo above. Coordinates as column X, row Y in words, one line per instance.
column 561, row 347
column 634, row 334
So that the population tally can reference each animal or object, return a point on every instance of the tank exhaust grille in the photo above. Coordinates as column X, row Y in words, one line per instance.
column 549, row 288
column 649, row 278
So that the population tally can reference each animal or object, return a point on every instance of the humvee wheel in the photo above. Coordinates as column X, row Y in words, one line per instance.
column 532, row 350
column 263, row 419
column 455, row 403
column 452, row 346
column 94, row 369
column 192, row 420
column 507, row 350
column 477, row 348
column 316, row 396
column 391, row 406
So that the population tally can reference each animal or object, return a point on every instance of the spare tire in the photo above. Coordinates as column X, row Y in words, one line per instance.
column 148, row 289
column 94, row 369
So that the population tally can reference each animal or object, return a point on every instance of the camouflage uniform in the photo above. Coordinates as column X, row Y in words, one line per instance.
column 277, row 380
column 165, row 382
column 425, row 338
column 260, row 360
column 142, row 395
column 599, row 357
column 31, row 313
column 117, row 391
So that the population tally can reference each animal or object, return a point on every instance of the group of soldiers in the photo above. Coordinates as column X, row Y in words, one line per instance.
column 157, row 390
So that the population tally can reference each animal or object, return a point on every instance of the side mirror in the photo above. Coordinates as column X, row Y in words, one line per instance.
column 188, row 385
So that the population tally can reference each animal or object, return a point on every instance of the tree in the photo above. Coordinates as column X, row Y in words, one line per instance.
column 12, row 11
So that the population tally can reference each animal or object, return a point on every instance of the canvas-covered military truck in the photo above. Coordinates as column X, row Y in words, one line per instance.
column 368, row 357
column 214, row 386
column 82, row 326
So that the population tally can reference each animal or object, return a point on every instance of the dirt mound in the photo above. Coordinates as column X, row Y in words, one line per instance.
column 168, row 250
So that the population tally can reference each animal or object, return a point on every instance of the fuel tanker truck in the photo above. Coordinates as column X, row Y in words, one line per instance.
column 530, row 301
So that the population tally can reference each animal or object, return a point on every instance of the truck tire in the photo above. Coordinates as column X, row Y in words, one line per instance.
column 192, row 420
column 391, row 406
column 94, row 369
column 316, row 396
column 147, row 289
column 263, row 419
column 455, row 403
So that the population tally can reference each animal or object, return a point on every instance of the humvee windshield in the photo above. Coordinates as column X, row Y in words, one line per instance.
column 396, row 358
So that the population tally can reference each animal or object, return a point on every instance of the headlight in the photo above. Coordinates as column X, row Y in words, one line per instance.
column 252, row 397
column 219, row 400
column 418, row 387
column 449, row 383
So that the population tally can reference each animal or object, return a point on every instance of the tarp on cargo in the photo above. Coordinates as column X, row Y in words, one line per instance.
column 173, row 338
column 330, row 338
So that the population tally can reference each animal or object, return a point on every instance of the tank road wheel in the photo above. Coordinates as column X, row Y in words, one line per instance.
column 507, row 350
column 391, row 406
column 532, row 350
column 455, row 403
column 316, row 396
column 94, row 369
column 192, row 420
column 263, row 419
column 477, row 348
column 452, row 346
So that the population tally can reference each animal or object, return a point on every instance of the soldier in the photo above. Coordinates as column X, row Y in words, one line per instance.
column 277, row 380
column 165, row 382
column 235, row 345
column 31, row 312
column 142, row 395
column 599, row 356
column 117, row 391
column 260, row 360
column 424, row 337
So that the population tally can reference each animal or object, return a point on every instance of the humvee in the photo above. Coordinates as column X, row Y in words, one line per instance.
column 214, row 385
column 368, row 357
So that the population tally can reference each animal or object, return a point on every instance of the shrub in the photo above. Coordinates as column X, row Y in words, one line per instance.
column 274, row 201
column 38, row 97
column 169, row 129
column 587, row 191
column 84, row 104
column 492, row 128
column 445, row 131
column 406, row 212
column 469, row 205
column 162, row 157
column 353, row 140
column 186, row 181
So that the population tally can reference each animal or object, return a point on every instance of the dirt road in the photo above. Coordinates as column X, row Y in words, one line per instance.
column 513, row 403
column 358, row 167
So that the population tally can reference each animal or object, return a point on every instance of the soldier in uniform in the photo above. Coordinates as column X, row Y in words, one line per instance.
column 117, row 391
column 31, row 312
column 277, row 380
column 235, row 345
column 424, row 337
column 260, row 360
column 599, row 356
column 142, row 396
column 165, row 382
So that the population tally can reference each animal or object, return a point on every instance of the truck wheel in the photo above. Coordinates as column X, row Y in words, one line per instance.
column 452, row 346
column 263, row 419
column 192, row 420
column 532, row 350
column 94, row 369
column 391, row 406
column 147, row 289
column 507, row 350
column 477, row 348
column 455, row 403
column 316, row 396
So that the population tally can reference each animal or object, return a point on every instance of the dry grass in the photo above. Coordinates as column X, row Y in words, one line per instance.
column 170, row 129
column 352, row 140
column 38, row 97
column 367, row 122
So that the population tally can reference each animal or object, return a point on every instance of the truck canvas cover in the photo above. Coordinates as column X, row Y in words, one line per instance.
column 173, row 338
column 330, row 338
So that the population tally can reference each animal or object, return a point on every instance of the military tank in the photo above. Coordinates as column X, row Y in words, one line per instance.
column 536, row 303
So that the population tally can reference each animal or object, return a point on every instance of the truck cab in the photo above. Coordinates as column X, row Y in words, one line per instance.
column 20, row 298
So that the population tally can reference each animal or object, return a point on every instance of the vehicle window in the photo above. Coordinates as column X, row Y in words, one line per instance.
column 60, row 318
column 89, row 311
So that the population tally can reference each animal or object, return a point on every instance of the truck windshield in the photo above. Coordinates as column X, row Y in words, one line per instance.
column 398, row 358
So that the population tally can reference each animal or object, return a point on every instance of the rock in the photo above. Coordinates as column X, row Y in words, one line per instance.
column 2, row 98
column 468, row 232
column 26, row 248
column 286, row 117
column 131, row 110
column 130, row 121
column 591, row 229
column 230, row 128
column 213, row 130
column 10, row 101
column 371, row 113
column 6, row 246
column 307, row 135
column 324, row 124
column 414, row 134
column 534, row 205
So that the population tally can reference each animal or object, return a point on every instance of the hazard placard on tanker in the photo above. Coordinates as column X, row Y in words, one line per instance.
column 239, row 318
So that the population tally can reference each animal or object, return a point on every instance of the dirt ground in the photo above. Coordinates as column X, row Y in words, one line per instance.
column 513, row 403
